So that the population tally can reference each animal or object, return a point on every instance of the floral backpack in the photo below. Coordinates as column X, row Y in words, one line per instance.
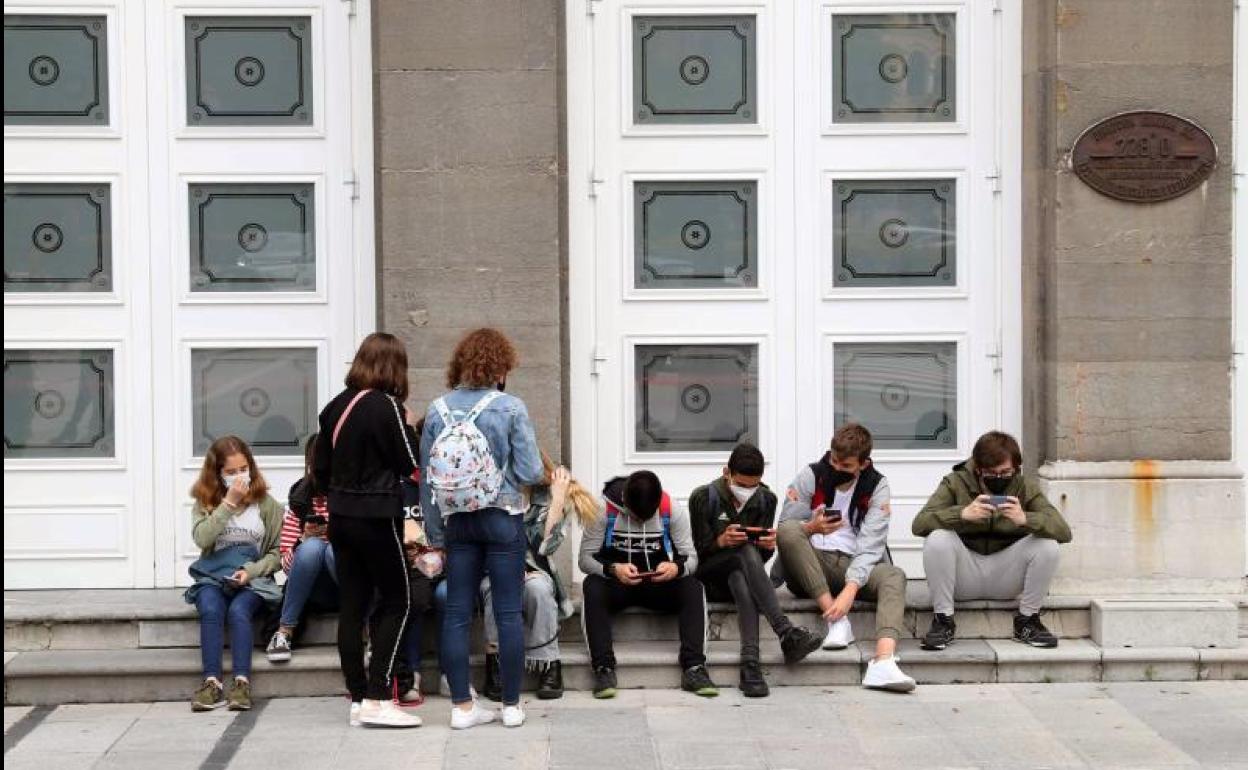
column 462, row 473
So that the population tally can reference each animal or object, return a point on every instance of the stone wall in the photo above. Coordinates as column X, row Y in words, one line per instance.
column 469, row 187
column 1130, row 304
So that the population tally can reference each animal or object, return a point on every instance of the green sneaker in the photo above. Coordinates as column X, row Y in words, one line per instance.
column 604, row 682
column 209, row 696
column 240, row 695
column 697, row 680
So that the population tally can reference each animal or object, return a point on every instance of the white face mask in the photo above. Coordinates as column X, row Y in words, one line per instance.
column 743, row 494
column 228, row 479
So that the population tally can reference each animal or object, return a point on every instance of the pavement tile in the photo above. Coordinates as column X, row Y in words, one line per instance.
column 1105, row 734
column 683, row 753
column 99, row 712
column 14, row 713
column 588, row 753
column 52, row 738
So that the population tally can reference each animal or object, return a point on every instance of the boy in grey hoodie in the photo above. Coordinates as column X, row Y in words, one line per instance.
column 641, row 554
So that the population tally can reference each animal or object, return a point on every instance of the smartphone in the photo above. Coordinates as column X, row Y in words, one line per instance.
column 754, row 534
column 996, row 501
column 832, row 515
column 647, row 575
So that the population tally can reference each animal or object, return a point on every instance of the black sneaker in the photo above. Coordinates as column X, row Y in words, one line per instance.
column 697, row 680
column 493, row 688
column 604, row 682
column 940, row 633
column 550, row 683
column 799, row 642
column 1029, row 630
column 753, row 685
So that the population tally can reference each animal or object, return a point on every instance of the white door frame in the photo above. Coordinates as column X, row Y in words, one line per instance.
column 586, row 349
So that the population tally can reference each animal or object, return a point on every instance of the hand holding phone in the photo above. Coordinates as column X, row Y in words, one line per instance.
column 754, row 534
column 996, row 501
column 832, row 515
column 647, row 576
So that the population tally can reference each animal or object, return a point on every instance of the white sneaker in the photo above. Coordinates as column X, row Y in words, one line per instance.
column 885, row 674
column 462, row 720
column 840, row 635
column 384, row 713
column 354, row 717
column 513, row 716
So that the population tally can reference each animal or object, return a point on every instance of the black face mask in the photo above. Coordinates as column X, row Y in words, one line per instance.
column 502, row 386
column 842, row 477
column 996, row 484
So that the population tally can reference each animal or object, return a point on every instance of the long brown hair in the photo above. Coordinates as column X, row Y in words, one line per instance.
column 582, row 501
column 209, row 491
column 380, row 364
column 482, row 359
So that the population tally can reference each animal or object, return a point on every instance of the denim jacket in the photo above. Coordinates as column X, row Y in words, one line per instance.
column 505, row 424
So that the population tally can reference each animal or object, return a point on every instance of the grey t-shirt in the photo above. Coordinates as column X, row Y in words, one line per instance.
column 245, row 528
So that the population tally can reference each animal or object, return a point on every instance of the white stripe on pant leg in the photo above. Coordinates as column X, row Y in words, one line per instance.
column 706, row 620
column 407, row 590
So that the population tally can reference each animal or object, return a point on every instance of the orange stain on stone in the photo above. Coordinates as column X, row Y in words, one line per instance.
column 1144, row 475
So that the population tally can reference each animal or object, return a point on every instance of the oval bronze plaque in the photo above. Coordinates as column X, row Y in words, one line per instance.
column 1144, row 157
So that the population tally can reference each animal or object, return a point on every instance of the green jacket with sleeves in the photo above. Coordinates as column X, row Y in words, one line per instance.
column 758, row 511
column 207, row 526
column 944, row 511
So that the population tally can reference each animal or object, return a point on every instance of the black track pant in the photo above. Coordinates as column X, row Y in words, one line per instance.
column 739, row 574
column 370, row 560
column 603, row 597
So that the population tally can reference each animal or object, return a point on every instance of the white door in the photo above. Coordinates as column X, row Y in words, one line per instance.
column 795, row 224
column 1239, row 360
column 242, row 263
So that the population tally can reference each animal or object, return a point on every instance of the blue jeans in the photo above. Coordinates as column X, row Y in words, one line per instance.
column 479, row 543
column 413, row 636
column 312, row 557
column 215, row 610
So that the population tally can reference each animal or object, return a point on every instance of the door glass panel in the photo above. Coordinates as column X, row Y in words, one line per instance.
column 694, row 69
column 695, row 235
column 57, row 238
column 895, row 232
column 249, row 71
column 905, row 393
column 252, row 237
column 695, row 398
column 58, row 403
column 894, row 68
column 55, row 70
column 266, row 396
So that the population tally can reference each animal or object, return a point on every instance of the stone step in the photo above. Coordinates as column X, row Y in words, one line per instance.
column 119, row 620
column 72, row 676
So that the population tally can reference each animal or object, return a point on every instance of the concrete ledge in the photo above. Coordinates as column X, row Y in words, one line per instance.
column 1168, row 622
column 1224, row 663
column 965, row 661
column 1076, row 660
column 1150, row 664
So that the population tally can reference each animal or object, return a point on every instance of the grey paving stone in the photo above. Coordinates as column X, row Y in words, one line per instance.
column 1105, row 734
column 181, row 759
column 689, row 753
column 14, row 713
column 619, row 750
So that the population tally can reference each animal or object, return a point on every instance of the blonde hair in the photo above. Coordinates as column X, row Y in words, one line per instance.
column 582, row 502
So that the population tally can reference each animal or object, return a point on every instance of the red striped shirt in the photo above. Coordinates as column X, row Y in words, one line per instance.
column 292, row 530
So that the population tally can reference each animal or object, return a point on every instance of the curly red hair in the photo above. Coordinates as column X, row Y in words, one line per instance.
column 482, row 359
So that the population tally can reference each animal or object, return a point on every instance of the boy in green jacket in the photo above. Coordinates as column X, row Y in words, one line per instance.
column 990, row 534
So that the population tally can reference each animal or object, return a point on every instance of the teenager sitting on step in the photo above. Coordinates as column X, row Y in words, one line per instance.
column 546, row 602
column 991, row 534
column 642, row 554
column 732, row 521
column 833, row 538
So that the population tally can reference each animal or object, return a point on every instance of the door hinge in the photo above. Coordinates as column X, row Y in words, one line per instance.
column 597, row 359
column 594, row 181
column 352, row 183
column 996, row 6
column 350, row 8
column 1237, row 179
column 994, row 177
column 994, row 353
column 591, row 7
column 1237, row 351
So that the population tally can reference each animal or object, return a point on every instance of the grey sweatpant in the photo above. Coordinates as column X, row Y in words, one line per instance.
column 541, row 620
column 956, row 573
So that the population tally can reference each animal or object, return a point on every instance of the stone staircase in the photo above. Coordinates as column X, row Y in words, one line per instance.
column 142, row 645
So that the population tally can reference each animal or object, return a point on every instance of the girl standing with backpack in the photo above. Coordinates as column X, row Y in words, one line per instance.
column 477, row 454
column 364, row 449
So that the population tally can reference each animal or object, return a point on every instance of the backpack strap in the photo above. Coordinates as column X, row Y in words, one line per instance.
column 665, row 518
column 345, row 413
column 443, row 411
column 480, row 406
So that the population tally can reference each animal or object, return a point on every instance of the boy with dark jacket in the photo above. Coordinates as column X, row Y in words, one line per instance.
column 732, row 529
column 641, row 554
column 990, row 534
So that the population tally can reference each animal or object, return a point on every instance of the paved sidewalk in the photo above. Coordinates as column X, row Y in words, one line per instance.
column 1135, row 725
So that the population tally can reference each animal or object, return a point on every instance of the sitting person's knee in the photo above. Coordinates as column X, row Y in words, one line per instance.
column 1046, row 549
column 790, row 531
column 942, row 539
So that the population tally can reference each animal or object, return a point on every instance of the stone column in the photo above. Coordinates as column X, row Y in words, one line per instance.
column 469, row 174
column 1130, row 304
